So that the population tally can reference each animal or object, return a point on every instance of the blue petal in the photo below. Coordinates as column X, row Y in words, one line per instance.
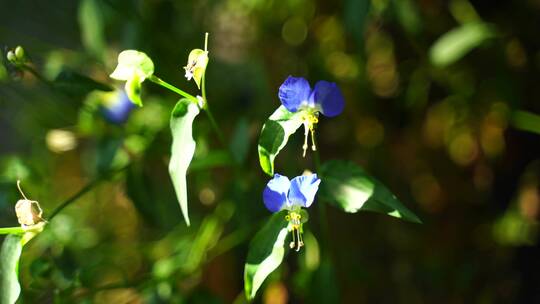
column 303, row 190
column 275, row 193
column 117, row 111
column 294, row 92
column 328, row 97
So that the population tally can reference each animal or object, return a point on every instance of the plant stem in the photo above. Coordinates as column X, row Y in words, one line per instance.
column 215, row 126
column 73, row 198
column 169, row 86
column 83, row 191
column 12, row 230
column 323, row 218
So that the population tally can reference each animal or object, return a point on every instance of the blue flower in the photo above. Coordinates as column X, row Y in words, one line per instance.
column 296, row 95
column 282, row 194
column 116, row 107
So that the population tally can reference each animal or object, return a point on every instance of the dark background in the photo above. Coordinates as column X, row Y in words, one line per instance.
column 450, row 140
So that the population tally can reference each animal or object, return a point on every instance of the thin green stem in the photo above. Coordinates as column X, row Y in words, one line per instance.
column 215, row 126
column 83, row 191
column 169, row 86
column 323, row 218
column 12, row 230
column 73, row 198
column 35, row 73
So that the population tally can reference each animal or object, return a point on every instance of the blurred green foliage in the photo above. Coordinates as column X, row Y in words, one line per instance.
column 441, row 105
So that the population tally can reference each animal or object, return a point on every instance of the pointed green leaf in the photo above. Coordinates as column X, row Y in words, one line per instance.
column 349, row 187
column 183, row 148
column 9, row 269
column 266, row 252
column 274, row 136
column 456, row 43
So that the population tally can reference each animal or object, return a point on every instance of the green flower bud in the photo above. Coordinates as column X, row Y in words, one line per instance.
column 19, row 52
column 11, row 57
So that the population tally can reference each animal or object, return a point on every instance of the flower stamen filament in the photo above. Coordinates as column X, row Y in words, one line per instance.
column 296, row 228
column 309, row 120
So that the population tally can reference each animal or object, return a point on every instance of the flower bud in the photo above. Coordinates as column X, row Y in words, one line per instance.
column 19, row 53
column 11, row 57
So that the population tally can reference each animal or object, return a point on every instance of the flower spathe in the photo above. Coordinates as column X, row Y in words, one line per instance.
column 291, row 195
column 296, row 95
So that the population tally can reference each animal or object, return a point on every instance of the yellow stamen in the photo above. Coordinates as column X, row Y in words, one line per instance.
column 295, row 218
column 309, row 120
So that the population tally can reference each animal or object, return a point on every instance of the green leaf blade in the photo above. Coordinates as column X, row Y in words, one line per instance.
column 455, row 44
column 350, row 188
column 183, row 148
column 10, row 255
column 274, row 136
column 266, row 252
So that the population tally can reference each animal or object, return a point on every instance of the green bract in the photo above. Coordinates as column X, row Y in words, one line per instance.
column 133, row 67
column 196, row 65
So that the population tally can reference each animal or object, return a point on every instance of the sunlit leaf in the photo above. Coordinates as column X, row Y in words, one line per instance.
column 456, row 43
column 266, row 252
column 274, row 136
column 9, row 268
column 349, row 187
column 183, row 148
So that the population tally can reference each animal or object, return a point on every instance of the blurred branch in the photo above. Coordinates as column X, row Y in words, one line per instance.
column 84, row 190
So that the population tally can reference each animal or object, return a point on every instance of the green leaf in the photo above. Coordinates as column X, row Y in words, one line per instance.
column 91, row 24
column 526, row 121
column 349, row 187
column 456, row 43
column 73, row 83
column 266, row 252
column 9, row 269
column 274, row 136
column 133, row 63
column 183, row 148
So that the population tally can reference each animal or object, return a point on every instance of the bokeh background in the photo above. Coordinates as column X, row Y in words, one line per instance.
column 442, row 103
